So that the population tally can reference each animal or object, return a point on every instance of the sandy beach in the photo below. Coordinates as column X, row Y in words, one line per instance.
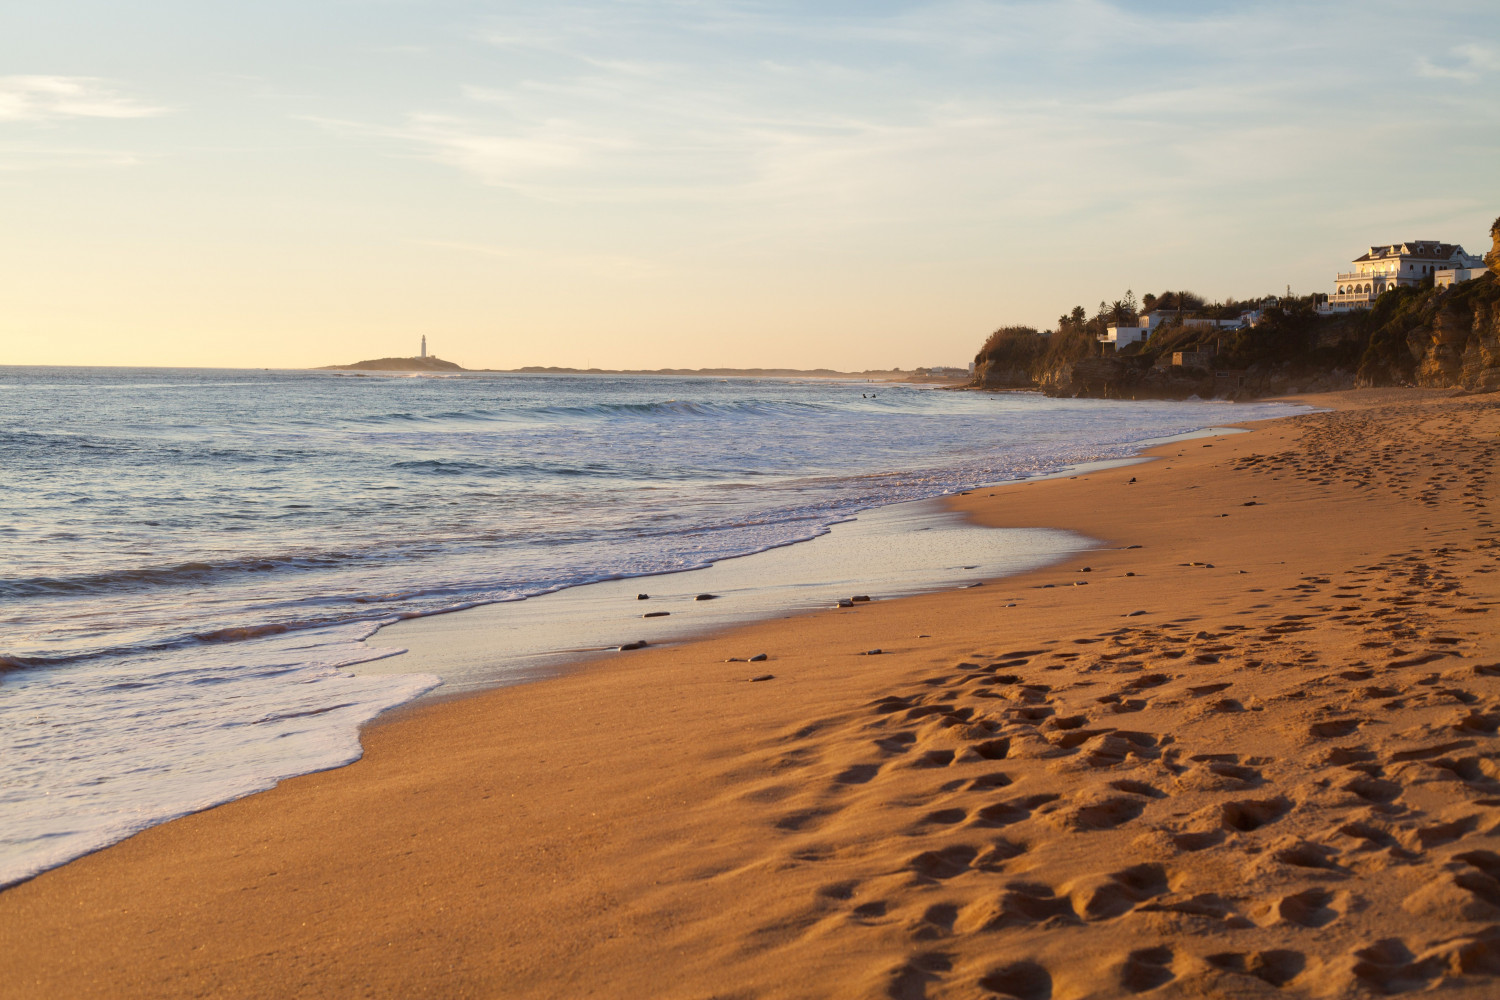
column 1246, row 747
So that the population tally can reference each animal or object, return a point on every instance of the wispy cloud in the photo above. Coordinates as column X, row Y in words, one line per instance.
column 770, row 124
column 1464, row 62
column 49, row 98
column 23, row 158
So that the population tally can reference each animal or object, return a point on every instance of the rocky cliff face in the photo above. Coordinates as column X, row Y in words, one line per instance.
column 1492, row 259
column 1118, row 378
column 990, row 375
column 1127, row 378
column 1460, row 346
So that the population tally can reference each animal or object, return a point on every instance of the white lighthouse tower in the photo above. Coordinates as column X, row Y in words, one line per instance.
column 424, row 345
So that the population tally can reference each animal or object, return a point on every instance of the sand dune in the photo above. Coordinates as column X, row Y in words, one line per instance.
column 1245, row 748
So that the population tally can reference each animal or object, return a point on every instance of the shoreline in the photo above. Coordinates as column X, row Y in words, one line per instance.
column 869, row 825
column 881, row 553
column 68, row 799
column 478, row 623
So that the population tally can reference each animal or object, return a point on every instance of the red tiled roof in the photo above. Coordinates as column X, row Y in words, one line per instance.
column 1417, row 249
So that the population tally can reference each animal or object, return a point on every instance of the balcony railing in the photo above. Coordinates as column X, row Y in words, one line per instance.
column 1371, row 276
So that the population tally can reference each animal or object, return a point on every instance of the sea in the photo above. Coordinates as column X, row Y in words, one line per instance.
column 192, row 560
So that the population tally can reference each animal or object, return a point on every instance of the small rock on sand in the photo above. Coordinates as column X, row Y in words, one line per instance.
column 758, row 657
column 706, row 597
column 860, row 598
column 871, row 652
column 643, row 597
column 762, row 677
column 656, row 614
column 638, row 644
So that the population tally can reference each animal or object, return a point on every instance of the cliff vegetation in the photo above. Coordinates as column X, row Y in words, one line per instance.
column 1417, row 335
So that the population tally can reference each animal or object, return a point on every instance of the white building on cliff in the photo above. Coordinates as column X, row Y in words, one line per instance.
column 1395, row 265
column 1123, row 336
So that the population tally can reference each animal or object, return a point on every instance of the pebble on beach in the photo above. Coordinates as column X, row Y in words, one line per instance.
column 638, row 644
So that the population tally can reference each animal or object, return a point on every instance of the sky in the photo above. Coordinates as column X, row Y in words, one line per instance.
column 705, row 183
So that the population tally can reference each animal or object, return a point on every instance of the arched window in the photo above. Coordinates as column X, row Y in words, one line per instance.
column 1367, row 289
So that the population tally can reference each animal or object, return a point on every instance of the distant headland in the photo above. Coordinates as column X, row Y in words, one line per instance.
column 429, row 363
column 423, row 364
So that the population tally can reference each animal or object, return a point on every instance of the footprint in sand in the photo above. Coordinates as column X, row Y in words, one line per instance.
column 945, row 863
column 1102, row 898
column 1018, row 981
column 1146, row 969
column 1140, row 788
column 1388, row 966
column 912, row 977
column 1190, row 841
column 1304, row 854
column 1021, row 904
column 1277, row 967
column 857, row 774
column 1248, row 815
column 1105, row 814
column 935, row 922
column 1310, row 908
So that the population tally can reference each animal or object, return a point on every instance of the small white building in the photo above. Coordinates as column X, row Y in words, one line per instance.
column 1394, row 265
column 1122, row 336
column 1458, row 275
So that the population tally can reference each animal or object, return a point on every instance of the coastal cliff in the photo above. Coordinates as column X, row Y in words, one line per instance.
column 1438, row 338
column 1420, row 335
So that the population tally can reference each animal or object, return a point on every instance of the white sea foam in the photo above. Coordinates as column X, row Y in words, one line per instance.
column 96, row 752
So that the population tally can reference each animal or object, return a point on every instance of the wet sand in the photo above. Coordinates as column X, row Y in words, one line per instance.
column 1248, row 749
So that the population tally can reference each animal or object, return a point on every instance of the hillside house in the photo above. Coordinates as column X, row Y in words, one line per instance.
column 1449, row 277
column 1394, row 265
column 1120, row 336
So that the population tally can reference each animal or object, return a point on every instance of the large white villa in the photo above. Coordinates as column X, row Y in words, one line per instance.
column 1382, row 268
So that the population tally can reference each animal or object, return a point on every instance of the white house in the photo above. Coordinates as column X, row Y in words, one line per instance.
column 1458, row 275
column 1121, row 336
column 1394, row 265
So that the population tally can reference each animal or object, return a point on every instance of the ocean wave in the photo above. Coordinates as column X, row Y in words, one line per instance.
column 528, row 470
column 143, row 577
column 604, row 411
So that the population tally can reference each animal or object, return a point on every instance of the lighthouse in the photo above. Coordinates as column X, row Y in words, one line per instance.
column 424, row 345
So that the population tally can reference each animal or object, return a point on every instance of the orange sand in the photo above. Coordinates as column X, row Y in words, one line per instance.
column 1265, row 763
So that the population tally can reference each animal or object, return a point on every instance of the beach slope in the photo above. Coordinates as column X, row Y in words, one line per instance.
column 1247, row 747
